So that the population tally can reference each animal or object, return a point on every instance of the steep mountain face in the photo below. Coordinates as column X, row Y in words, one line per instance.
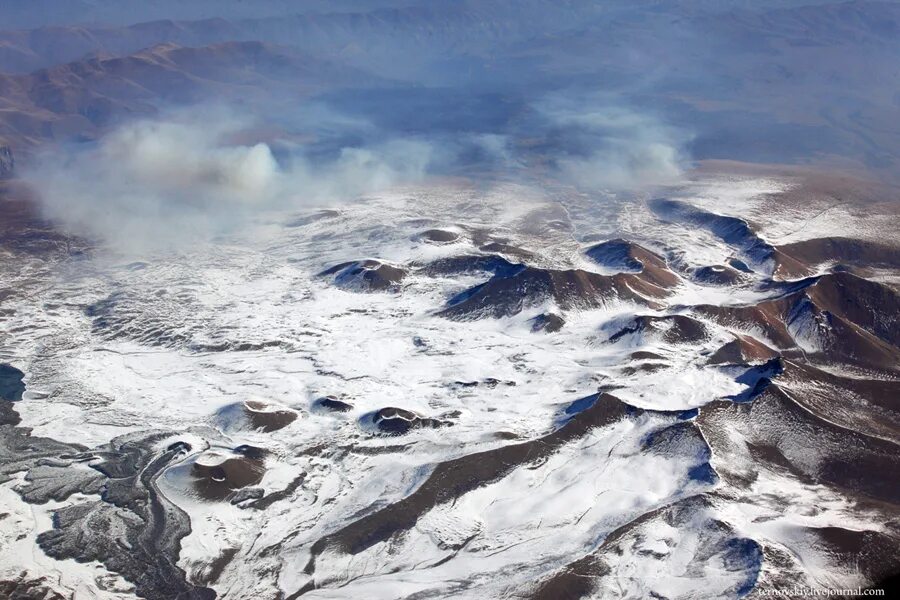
column 837, row 316
column 571, row 415
column 84, row 98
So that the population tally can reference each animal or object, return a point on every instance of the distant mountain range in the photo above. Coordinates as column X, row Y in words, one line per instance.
column 749, row 82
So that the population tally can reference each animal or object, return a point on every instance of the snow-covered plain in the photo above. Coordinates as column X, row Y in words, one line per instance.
column 112, row 346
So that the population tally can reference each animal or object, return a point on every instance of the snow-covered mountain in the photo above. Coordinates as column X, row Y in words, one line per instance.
column 459, row 393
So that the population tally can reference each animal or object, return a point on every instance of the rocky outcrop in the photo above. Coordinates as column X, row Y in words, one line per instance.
column 672, row 329
column 735, row 232
column 11, row 383
column 742, row 349
column 837, row 317
column 719, row 275
column 547, row 322
column 438, row 236
column 398, row 421
column 332, row 404
column 844, row 251
column 519, row 287
column 365, row 275
column 629, row 257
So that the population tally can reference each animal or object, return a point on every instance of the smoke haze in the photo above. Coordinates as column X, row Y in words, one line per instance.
column 327, row 102
column 156, row 183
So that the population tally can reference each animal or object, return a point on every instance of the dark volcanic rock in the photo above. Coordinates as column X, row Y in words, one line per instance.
column 734, row 232
column 7, row 162
column 489, row 383
column 398, row 421
column 547, row 322
column 720, row 547
column 8, row 416
column 268, row 417
column 869, row 304
column 255, row 414
column 860, row 253
column 507, row 249
column 629, row 257
column 332, row 404
column 25, row 230
column 470, row 263
column 866, row 405
column 617, row 254
column 837, row 317
column 26, row 587
column 453, row 478
column 55, row 480
column 673, row 329
column 741, row 350
column 739, row 265
column 218, row 474
column 510, row 291
column 11, row 383
column 247, row 494
column 644, row 355
column 438, row 236
column 718, row 275
column 757, row 379
column 45, row 461
column 365, row 275
column 131, row 513
column 578, row 579
column 849, row 460
column 874, row 553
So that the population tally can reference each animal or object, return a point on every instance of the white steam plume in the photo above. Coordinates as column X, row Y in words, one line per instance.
column 613, row 147
column 154, row 184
